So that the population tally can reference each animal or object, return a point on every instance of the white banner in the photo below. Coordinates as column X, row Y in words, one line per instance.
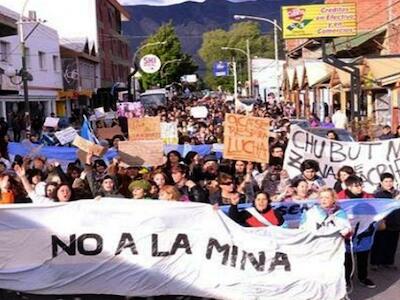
column 369, row 159
column 147, row 247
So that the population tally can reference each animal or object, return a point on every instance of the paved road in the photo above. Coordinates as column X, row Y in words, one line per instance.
column 387, row 281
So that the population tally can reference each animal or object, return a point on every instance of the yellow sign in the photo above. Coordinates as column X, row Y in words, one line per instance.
column 325, row 20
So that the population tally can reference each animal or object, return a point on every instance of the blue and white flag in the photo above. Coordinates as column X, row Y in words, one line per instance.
column 87, row 131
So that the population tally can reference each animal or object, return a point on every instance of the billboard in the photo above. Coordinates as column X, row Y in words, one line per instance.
column 316, row 21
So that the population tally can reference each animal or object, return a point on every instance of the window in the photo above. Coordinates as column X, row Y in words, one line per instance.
column 4, row 51
column 55, row 63
column 42, row 60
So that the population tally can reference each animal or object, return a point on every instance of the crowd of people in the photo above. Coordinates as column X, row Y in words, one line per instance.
column 209, row 179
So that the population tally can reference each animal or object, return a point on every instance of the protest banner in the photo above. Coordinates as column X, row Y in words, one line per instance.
column 140, row 153
column 109, row 132
column 199, row 112
column 147, row 128
column 369, row 159
column 51, row 122
column 174, row 243
column 66, row 136
column 246, row 138
column 87, row 146
column 169, row 132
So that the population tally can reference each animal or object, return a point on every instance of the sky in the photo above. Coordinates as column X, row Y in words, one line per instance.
column 163, row 2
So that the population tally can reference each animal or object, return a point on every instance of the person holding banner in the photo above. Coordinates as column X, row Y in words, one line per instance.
column 354, row 190
column 261, row 214
column 384, row 248
column 327, row 217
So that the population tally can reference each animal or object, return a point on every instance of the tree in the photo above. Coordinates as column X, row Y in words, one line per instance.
column 171, row 50
column 211, row 52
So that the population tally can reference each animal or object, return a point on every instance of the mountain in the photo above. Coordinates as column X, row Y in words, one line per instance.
column 192, row 19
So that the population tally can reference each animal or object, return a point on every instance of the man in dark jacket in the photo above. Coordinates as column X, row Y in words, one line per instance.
column 186, row 187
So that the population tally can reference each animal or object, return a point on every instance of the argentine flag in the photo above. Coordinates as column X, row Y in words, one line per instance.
column 87, row 131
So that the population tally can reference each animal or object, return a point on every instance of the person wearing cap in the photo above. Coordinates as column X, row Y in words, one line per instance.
column 108, row 188
column 210, row 169
column 189, row 190
column 140, row 189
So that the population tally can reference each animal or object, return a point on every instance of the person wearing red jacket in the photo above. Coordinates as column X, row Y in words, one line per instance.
column 354, row 190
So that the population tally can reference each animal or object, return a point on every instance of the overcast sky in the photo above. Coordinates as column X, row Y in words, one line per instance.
column 163, row 2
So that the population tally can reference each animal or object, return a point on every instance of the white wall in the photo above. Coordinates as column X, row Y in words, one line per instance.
column 43, row 39
column 71, row 18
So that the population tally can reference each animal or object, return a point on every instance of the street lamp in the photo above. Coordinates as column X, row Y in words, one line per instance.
column 135, row 68
column 247, row 53
column 166, row 63
column 235, row 86
column 276, row 27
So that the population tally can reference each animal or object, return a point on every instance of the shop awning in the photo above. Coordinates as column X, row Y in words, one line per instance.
column 300, row 69
column 347, row 43
column 290, row 73
column 317, row 72
column 385, row 70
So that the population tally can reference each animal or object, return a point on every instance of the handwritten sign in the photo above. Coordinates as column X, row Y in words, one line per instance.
column 88, row 146
column 51, row 122
column 246, row 138
column 109, row 132
column 144, row 129
column 169, row 132
column 66, row 136
column 139, row 153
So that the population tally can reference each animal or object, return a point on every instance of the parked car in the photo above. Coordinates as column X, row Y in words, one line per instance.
column 154, row 98
column 343, row 134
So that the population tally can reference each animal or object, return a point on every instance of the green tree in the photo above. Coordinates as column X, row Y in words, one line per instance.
column 171, row 50
column 210, row 51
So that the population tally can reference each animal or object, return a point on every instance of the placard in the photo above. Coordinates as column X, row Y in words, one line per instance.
column 109, row 132
column 51, row 122
column 99, row 112
column 88, row 146
column 142, row 153
column 169, row 132
column 147, row 128
column 199, row 112
column 246, row 138
column 66, row 136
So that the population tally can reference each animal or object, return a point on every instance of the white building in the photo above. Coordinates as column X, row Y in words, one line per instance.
column 264, row 73
column 43, row 63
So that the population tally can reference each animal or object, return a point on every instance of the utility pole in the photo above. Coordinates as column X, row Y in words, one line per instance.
column 235, row 86
column 249, row 75
column 23, row 69
column 278, row 88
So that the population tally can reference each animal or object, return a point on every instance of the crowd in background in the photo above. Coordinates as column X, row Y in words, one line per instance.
column 209, row 179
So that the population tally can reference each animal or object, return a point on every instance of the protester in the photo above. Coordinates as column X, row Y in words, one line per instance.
column 386, row 133
column 260, row 214
column 343, row 173
column 386, row 239
column 309, row 169
column 170, row 193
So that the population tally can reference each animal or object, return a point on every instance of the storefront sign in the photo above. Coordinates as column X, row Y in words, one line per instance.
column 324, row 20
column 150, row 63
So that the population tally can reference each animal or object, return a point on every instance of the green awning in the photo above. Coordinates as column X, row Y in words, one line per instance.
column 347, row 43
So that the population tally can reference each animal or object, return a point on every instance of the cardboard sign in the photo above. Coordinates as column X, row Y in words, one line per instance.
column 51, row 122
column 66, row 136
column 140, row 153
column 246, row 138
column 109, row 132
column 199, row 112
column 169, row 132
column 87, row 146
column 147, row 128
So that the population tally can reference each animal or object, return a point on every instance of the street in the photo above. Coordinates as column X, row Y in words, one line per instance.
column 387, row 285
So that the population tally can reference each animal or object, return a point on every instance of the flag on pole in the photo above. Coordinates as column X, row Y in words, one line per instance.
column 87, row 131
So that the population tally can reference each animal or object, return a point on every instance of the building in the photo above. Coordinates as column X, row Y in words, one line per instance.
column 79, row 63
column 100, row 22
column 43, row 63
column 375, row 51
